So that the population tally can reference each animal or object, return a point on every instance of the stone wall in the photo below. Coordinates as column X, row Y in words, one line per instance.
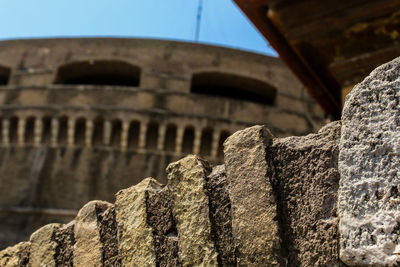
column 165, row 73
column 251, row 211
column 325, row 199
column 51, row 191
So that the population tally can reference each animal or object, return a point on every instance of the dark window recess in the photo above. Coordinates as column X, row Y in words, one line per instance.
column 99, row 72
column 80, row 131
column 133, row 134
column 116, row 131
column 46, row 130
column 97, row 135
column 170, row 138
column 152, row 136
column 233, row 86
column 13, row 131
column 29, row 130
column 188, row 140
column 4, row 75
column 63, row 130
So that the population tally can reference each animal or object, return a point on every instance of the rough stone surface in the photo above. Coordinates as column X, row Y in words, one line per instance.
column 43, row 246
column 273, row 203
column 254, row 211
column 16, row 256
column 88, row 248
column 136, row 241
column 305, row 174
column 65, row 239
column 108, row 235
column 160, row 218
column 369, row 196
column 216, row 188
column 186, row 179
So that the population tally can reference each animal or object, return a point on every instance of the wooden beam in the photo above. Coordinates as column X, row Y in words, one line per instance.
column 337, row 20
column 355, row 69
column 316, row 87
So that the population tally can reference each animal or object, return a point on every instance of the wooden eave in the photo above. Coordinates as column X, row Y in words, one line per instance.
column 328, row 44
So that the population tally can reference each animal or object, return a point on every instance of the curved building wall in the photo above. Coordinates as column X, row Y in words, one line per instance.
column 82, row 118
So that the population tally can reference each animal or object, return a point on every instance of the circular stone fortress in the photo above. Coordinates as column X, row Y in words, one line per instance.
column 81, row 119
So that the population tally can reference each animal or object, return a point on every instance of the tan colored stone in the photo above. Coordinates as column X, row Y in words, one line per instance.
column 15, row 256
column 136, row 241
column 43, row 247
column 186, row 179
column 88, row 247
column 254, row 209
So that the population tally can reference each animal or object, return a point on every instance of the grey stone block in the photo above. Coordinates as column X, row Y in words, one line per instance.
column 369, row 198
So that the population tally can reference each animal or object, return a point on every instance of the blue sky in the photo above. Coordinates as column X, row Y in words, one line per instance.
column 222, row 21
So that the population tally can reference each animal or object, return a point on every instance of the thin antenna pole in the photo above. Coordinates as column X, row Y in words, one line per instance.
column 198, row 24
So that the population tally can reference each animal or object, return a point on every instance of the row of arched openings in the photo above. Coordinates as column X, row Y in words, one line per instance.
column 112, row 72
column 119, row 73
column 97, row 137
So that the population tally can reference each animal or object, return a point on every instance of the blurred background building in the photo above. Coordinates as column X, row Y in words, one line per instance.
column 82, row 118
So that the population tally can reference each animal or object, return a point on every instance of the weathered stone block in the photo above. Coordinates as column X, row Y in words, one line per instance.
column 306, row 179
column 88, row 249
column 65, row 239
column 370, row 172
column 216, row 189
column 16, row 256
column 254, row 210
column 135, row 236
column 108, row 235
column 186, row 179
column 160, row 218
column 43, row 247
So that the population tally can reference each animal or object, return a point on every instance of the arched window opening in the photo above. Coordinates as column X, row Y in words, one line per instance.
column 188, row 140
column 170, row 138
column 80, row 132
column 116, row 131
column 233, row 86
column 206, row 141
column 63, row 130
column 152, row 136
column 223, row 136
column 46, row 130
column 98, row 132
column 133, row 134
column 13, row 132
column 4, row 75
column 99, row 72
column 29, row 130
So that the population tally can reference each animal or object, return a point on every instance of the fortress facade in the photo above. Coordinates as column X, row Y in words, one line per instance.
column 81, row 119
